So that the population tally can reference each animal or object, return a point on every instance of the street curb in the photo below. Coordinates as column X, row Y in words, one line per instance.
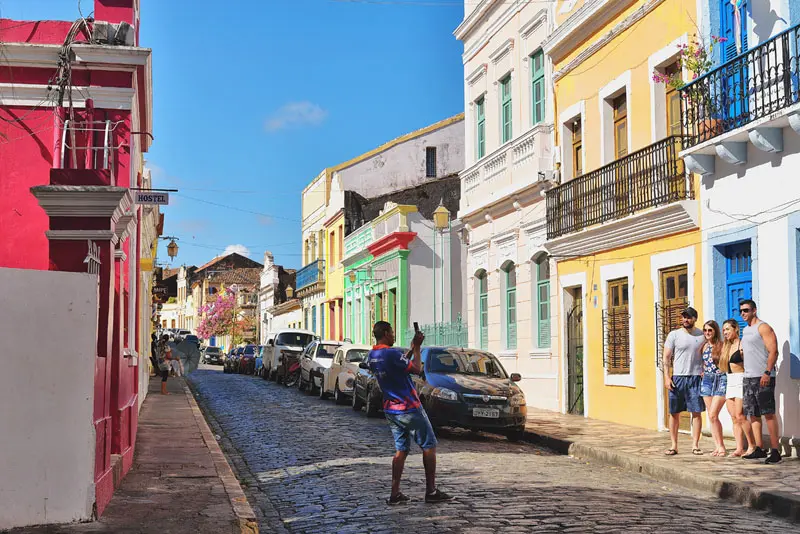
column 245, row 517
column 778, row 503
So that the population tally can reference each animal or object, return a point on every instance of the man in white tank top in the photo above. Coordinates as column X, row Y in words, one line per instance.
column 760, row 351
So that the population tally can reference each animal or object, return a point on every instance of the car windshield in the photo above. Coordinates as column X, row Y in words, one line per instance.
column 464, row 363
column 294, row 339
column 326, row 351
column 357, row 355
column 214, row 350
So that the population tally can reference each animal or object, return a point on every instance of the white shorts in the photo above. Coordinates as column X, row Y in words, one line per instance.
column 735, row 386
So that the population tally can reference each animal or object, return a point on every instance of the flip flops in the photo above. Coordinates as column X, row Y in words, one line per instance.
column 670, row 452
column 697, row 452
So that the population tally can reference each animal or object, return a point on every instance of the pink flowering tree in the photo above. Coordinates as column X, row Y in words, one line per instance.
column 217, row 317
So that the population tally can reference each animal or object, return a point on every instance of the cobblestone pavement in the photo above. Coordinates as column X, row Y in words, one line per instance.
column 311, row 466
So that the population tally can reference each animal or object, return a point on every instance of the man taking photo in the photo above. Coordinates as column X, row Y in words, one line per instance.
column 403, row 409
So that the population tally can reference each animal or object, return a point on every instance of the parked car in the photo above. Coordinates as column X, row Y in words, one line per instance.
column 316, row 358
column 339, row 378
column 289, row 341
column 193, row 339
column 469, row 388
column 262, row 351
column 232, row 361
column 247, row 361
column 212, row 356
column 367, row 392
column 180, row 335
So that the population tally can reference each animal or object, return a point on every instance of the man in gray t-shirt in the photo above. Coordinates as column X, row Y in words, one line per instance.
column 683, row 369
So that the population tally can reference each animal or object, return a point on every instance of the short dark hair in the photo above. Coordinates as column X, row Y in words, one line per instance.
column 749, row 302
column 380, row 330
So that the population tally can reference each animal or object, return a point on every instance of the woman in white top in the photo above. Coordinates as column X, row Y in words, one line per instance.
column 732, row 362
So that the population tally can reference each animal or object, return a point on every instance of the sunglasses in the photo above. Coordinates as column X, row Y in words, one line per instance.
column 745, row 310
column 708, row 329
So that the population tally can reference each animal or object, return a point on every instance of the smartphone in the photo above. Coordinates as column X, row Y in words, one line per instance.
column 416, row 326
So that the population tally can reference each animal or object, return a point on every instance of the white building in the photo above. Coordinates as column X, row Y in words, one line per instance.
column 274, row 284
column 509, row 137
column 748, row 154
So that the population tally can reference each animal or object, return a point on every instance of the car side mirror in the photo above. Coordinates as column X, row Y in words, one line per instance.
column 363, row 365
column 516, row 377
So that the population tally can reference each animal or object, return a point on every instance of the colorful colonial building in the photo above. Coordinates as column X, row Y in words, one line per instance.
column 623, row 226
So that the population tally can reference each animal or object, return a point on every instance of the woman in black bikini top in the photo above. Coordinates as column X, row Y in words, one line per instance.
column 732, row 362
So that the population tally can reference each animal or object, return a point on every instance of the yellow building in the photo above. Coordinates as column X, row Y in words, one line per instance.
column 622, row 226
column 334, row 285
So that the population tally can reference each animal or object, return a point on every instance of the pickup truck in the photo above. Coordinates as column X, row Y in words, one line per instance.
column 286, row 342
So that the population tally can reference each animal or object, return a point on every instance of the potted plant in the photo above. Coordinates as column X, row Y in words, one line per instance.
column 697, row 59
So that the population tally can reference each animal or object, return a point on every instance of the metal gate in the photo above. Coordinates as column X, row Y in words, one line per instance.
column 575, row 356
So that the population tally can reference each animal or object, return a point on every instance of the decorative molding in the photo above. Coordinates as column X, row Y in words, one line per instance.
column 80, row 235
column 477, row 74
column 479, row 258
column 120, row 255
column 654, row 224
column 565, row 38
column 502, row 50
column 120, row 98
column 506, row 246
column 533, row 24
column 469, row 23
column 83, row 201
column 102, row 57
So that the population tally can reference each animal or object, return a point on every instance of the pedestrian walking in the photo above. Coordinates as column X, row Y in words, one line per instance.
column 164, row 358
column 760, row 351
column 403, row 410
column 732, row 363
column 683, row 369
column 154, row 353
column 714, row 384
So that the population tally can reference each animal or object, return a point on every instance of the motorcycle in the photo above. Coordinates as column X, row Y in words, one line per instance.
column 292, row 374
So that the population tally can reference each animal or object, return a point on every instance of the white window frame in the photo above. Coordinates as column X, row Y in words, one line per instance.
column 606, row 95
column 565, row 119
column 564, row 282
column 615, row 272
column 658, row 92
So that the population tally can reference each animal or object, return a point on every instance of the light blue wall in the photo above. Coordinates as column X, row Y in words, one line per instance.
column 793, row 222
column 717, row 242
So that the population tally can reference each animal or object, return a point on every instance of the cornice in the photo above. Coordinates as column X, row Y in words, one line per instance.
column 477, row 74
column 83, row 201
column 584, row 21
column 80, row 235
column 533, row 24
column 502, row 51
column 125, row 58
column 120, row 98
column 469, row 23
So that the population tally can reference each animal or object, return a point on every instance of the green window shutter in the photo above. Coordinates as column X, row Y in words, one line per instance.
column 484, row 317
column 537, row 87
column 511, row 319
column 505, row 109
column 544, row 314
column 481, row 128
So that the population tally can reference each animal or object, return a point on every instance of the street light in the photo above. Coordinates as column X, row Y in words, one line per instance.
column 441, row 222
column 289, row 292
column 172, row 248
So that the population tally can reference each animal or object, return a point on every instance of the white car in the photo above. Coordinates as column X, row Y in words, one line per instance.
column 289, row 342
column 339, row 378
column 317, row 357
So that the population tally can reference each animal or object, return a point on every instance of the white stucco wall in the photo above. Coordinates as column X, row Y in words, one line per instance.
column 760, row 202
column 47, row 391
column 403, row 165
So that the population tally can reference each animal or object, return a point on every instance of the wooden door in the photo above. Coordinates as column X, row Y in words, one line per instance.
column 674, row 299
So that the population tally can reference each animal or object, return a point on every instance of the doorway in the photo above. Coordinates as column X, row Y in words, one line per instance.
column 674, row 298
column 574, row 324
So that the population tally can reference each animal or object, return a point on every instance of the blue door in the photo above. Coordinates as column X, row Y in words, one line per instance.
column 739, row 278
column 734, row 78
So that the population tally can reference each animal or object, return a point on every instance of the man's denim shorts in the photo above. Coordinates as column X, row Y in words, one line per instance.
column 714, row 385
column 416, row 424
column 685, row 396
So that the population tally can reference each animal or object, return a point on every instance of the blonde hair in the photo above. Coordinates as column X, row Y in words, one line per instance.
column 725, row 360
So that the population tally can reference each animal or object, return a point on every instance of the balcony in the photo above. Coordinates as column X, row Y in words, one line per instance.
column 750, row 98
column 652, row 177
column 393, row 218
column 507, row 170
column 311, row 278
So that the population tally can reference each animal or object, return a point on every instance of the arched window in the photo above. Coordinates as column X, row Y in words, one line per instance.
column 541, row 299
column 510, row 271
column 482, row 308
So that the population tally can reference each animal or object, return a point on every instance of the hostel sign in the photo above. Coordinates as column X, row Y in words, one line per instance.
column 151, row 198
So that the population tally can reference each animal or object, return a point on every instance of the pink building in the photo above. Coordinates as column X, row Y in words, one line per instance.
column 75, row 121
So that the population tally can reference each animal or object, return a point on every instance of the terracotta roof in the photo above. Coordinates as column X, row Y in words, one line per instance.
column 170, row 272
column 243, row 276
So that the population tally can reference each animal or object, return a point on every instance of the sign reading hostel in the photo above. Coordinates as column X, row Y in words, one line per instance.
column 150, row 197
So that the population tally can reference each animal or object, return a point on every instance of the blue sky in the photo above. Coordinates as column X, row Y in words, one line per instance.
column 253, row 98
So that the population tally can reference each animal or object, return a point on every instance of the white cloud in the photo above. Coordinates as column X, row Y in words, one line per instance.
column 296, row 114
column 239, row 249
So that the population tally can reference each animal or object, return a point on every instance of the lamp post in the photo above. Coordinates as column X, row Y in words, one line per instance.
column 172, row 248
column 441, row 222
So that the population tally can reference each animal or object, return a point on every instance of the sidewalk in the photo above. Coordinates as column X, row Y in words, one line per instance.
column 180, row 481
column 774, row 488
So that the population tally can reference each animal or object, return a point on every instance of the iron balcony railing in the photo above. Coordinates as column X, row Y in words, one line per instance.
column 753, row 85
column 452, row 334
column 650, row 177
column 310, row 274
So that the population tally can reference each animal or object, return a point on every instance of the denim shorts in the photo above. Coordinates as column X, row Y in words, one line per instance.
column 714, row 385
column 406, row 425
column 685, row 396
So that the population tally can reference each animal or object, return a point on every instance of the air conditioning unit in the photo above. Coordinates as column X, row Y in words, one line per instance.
column 550, row 176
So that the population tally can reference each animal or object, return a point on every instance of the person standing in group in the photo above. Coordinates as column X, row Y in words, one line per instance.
column 732, row 363
column 164, row 358
column 403, row 409
column 760, row 350
column 714, row 384
column 683, row 369
column 154, row 353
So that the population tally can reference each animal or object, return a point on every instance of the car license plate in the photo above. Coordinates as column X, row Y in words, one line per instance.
column 486, row 412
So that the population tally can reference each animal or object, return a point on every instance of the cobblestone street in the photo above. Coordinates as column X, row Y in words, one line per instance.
column 312, row 466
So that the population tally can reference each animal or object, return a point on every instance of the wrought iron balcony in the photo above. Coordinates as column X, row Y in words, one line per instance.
column 650, row 177
column 311, row 274
column 753, row 85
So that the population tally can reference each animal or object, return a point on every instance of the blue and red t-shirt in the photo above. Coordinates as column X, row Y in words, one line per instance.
column 391, row 368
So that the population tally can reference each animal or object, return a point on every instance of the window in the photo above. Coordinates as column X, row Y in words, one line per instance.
column 537, row 86
column 322, row 320
column 483, row 309
column 378, row 307
column 577, row 149
column 392, row 306
column 511, row 306
column 480, row 127
column 331, row 250
column 618, row 359
column 505, row 109
column 173, row 323
column 314, row 319
column 341, row 242
column 673, row 103
column 305, row 319
column 430, row 162
column 542, row 300
column 620, row 105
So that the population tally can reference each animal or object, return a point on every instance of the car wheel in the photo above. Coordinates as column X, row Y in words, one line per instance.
column 338, row 396
column 357, row 404
column 371, row 405
column 516, row 434
column 322, row 394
